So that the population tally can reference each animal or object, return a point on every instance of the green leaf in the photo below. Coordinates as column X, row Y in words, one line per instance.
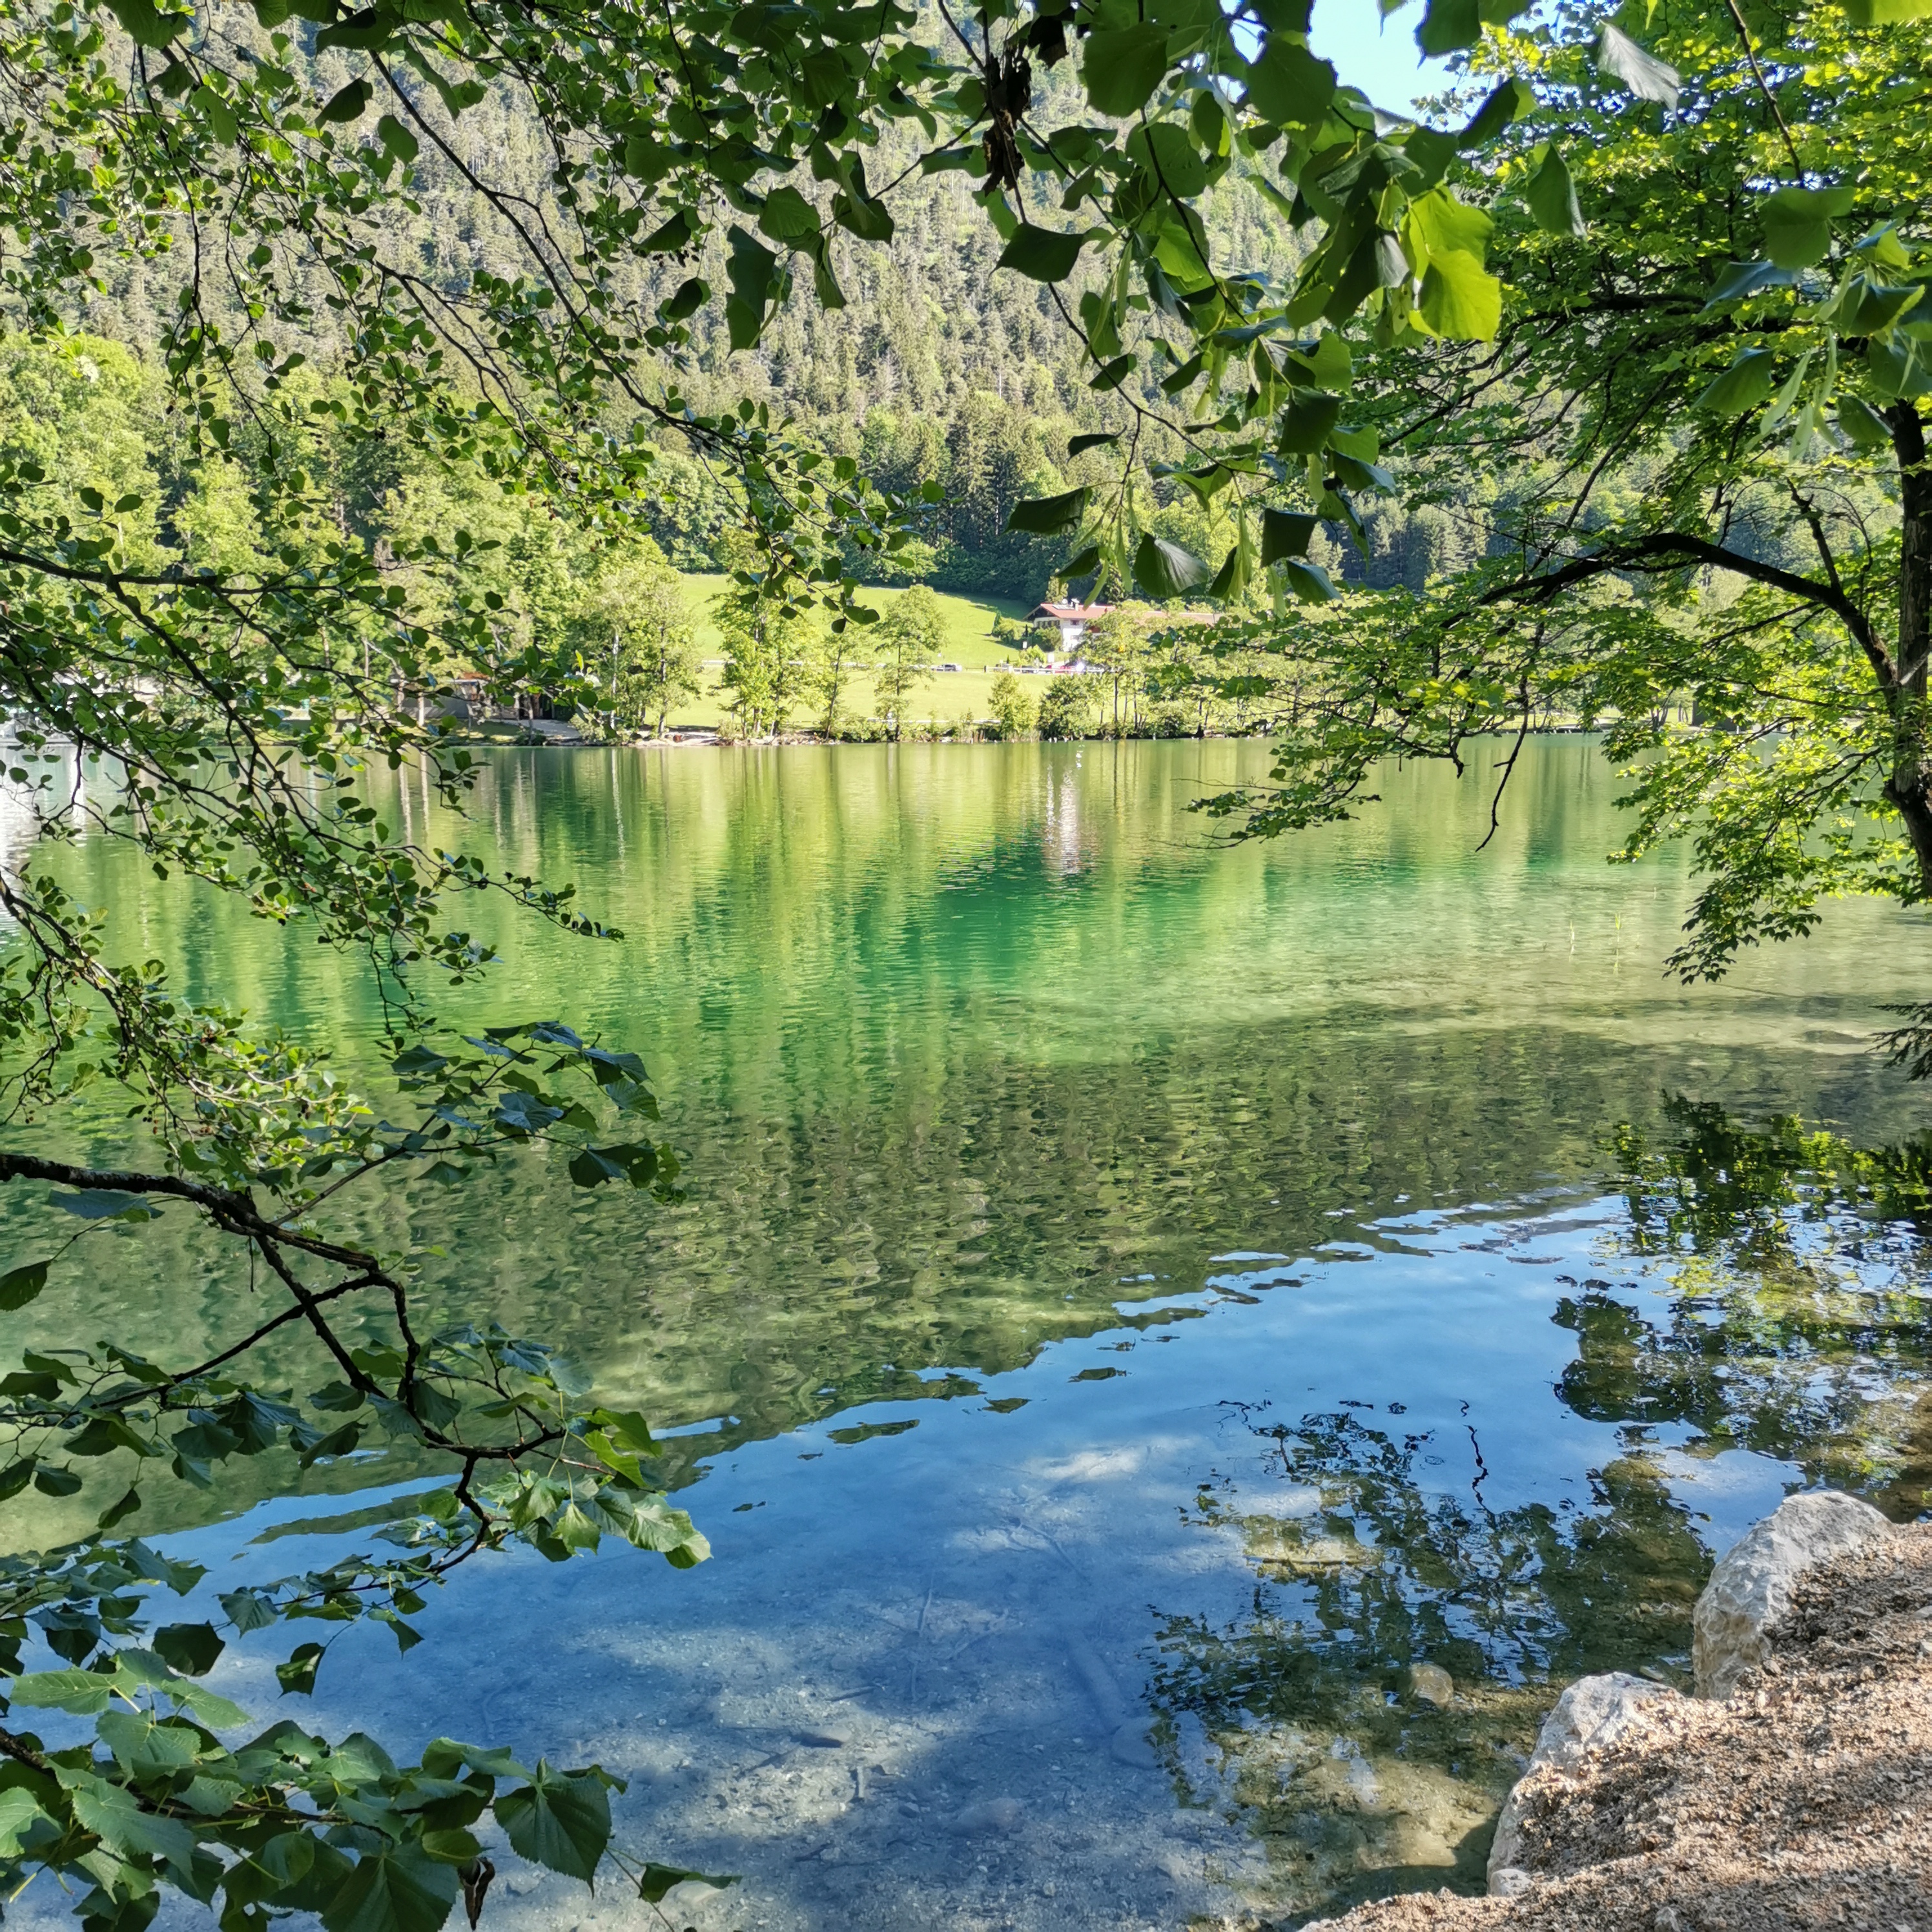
column 1863, row 423
column 1885, row 13
column 104, row 1204
column 1798, row 221
column 56, row 1482
column 115, row 1817
column 1101, row 440
column 1041, row 254
column 1307, row 582
column 147, row 27
column 1551, row 195
column 1461, row 302
column 1740, row 279
column 1745, row 386
column 1868, row 307
column 1162, row 569
column 205, row 1707
column 22, row 1820
column 16, row 1477
column 1306, row 423
column 18, row 1286
column 401, row 1890
column 562, row 1820
column 1122, row 66
column 85, row 1693
column 1288, row 85
column 1508, row 101
column 1048, row 516
column 191, row 1649
column 396, row 139
column 346, row 104
column 655, row 1881
column 1444, row 226
column 753, row 272
column 1285, row 533
column 119, row 1512
column 1639, row 71
column 786, row 216
column 248, row 1610
column 1448, row 25
column 297, row 1675
column 1174, row 164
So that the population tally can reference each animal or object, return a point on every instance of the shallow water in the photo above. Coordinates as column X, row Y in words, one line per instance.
column 1134, row 1302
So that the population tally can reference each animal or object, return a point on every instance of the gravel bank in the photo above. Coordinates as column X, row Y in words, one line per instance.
column 1804, row 1800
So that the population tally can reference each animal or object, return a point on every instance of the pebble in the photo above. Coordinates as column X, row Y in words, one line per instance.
column 991, row 1815
column 1432, row 1684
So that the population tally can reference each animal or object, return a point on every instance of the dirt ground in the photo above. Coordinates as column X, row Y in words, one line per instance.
column 1802, row 1802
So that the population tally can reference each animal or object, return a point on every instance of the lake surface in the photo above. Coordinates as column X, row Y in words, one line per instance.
column 1134, row 1300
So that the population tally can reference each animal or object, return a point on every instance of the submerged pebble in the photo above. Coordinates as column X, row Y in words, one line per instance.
column 1432, row 1684
column 991, row 1815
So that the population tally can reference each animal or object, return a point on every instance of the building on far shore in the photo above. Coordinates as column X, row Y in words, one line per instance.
column 1072, row 620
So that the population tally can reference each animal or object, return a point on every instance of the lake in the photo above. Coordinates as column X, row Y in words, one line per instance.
column 1135, row 1301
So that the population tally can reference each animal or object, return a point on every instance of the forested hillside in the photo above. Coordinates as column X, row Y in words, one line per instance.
column 937, row 370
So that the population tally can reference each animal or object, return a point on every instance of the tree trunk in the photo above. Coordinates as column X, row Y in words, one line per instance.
column 1910, row 788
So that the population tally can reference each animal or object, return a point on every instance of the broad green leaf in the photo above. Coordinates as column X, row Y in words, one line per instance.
column 1306, row 422
column 1636, row 68
column 1288, row 85
column 146, row 26
column 346, row 104
column 298, row 1674
column 1444, row 226
column 1307, row 582
column 1886, row 13
column 1508, row 101
column 752, row 270
column 786, row 216
column 21, row 1821
column 1447, row 25
column 1551, row 195
column 117, row 1820
column 85, row 1693
column 1461, row 301
column 1079, row 445
column 1797, row 223
column 1171, row 160
column 207, row 1707
column 1048, row 516
column 1867, row 307
column 1285, row 533
column 1122, row 67
column 1162, row 569
column 18, row 1286
column 398, row 1890
column 191, row 1649
column 51, row 1482
column 560, row 1820
column 655, row 1881
column 1740, row 279
column 1863, row 423
column 1041, row 254
column 1745, row 386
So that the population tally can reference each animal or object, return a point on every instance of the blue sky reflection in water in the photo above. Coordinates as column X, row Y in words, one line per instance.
column 1151, row 1299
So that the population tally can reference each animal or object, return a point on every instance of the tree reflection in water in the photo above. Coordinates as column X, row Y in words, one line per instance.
column 1794, row 1323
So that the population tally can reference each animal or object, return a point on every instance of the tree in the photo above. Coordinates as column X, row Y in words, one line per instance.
column 1014, row 710
column 912, row 635
column 768, row 655
column 1116, row 644
column 828, row 672
column 1067, row 708
column 1706, row 385
column 636, row 611
column 271, row 200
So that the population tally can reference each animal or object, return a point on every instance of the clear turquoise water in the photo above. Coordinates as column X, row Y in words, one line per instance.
column 1134, row 1299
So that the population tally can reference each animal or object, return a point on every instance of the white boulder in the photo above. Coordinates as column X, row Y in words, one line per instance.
column 1750, row 1589
column 1593, row 1713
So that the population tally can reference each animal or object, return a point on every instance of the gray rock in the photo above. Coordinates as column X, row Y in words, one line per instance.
column 1508, row 1882
column 1750, row 1589
column 1593, row 1713
column 994, row 1815
column 1432, row 1684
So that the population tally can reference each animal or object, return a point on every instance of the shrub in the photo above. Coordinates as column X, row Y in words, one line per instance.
column 1014, row 709
column 1068, row 708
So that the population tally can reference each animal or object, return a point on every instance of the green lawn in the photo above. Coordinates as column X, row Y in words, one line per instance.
column 969, row 621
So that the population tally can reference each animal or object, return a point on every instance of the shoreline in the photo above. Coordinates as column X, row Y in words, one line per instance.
column 1794, row 1792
